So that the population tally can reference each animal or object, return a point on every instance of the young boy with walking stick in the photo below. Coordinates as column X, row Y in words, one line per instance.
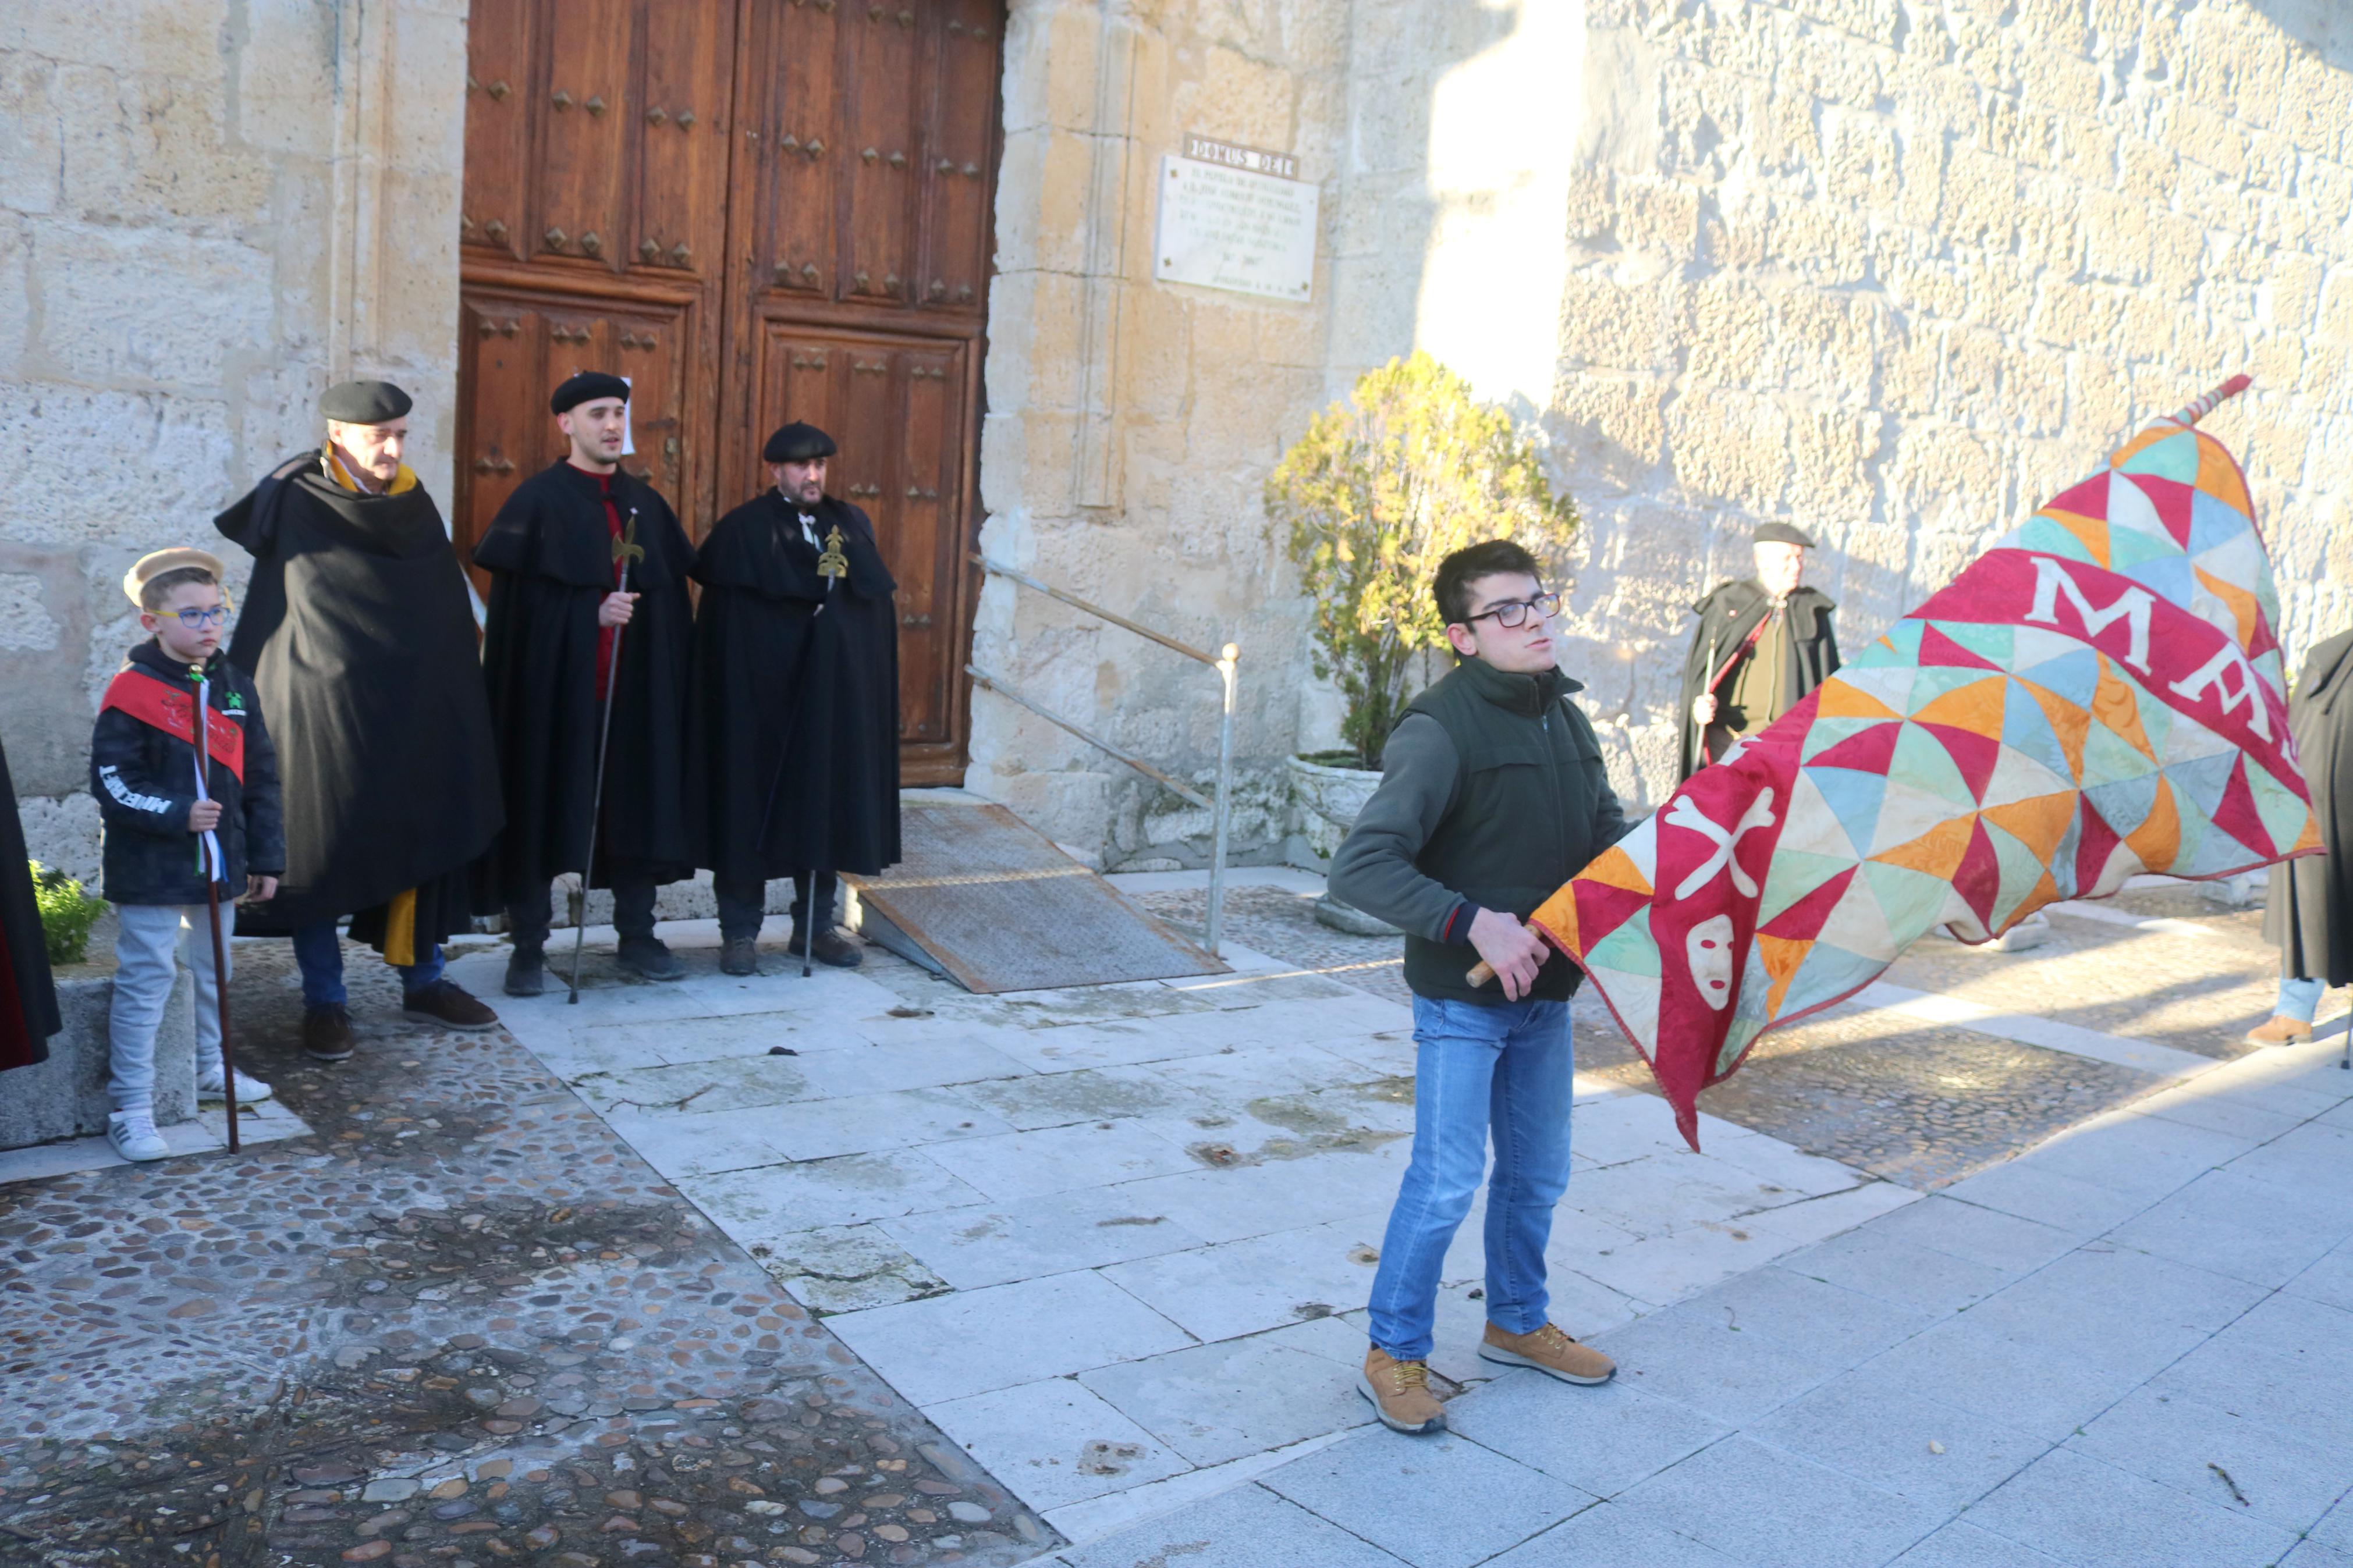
column 176, row 829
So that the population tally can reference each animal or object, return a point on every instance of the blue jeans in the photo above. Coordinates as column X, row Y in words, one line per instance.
column 1510, row 1069
column 2300, row 999
column 319, row 953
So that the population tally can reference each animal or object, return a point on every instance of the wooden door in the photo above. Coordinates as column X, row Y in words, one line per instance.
column 710, row 197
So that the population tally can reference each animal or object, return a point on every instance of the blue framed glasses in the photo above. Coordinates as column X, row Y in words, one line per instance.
column 197, row 620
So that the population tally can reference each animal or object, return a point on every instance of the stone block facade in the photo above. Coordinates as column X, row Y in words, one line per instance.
column 1890, row 271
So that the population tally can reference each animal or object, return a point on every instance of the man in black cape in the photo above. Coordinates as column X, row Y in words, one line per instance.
column 555, row 553
column 2309, row 911
column 359, row 633
column 793, row 743
column 1760, row 647
column 28, row 996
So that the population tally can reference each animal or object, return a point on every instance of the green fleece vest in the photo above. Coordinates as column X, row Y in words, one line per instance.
column 1522, row 822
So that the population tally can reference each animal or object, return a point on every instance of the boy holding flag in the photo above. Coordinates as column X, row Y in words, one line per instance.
column 173, row 829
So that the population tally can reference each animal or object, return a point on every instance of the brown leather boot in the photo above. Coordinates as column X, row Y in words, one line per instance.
column 2281, row 1030
column 1399, row 1391
column 1549, row 1351
column 327, row 1032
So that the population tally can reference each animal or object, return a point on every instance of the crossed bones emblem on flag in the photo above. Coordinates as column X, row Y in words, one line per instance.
column 1685, row 813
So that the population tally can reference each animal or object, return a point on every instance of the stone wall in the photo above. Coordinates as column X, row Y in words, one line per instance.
column 1131, row 424
column 1889, row 271
column 209, row 209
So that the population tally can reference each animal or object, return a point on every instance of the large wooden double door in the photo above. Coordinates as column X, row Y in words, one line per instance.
column 758, row 211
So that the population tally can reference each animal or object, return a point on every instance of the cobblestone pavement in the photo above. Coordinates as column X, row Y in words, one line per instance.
column 462, row 1324
column 1911, row 1103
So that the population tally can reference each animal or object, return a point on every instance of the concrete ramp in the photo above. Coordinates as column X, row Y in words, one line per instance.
column 989, row 901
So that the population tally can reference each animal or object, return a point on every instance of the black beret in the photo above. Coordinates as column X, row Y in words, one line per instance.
column 587, row 386
column 364, row 403
column 1781, row 533
column 797, row 443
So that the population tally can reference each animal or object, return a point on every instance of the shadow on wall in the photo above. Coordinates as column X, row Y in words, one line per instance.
column 2322, row 28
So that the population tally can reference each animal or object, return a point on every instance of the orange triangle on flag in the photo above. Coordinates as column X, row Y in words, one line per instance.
column 1843, row 699
column 2092, row 532
column 2046, row 893
column 2310, row 837
column 2115, row 707
column 2157, row 839
column 1938, row 852
column 2069, row 722
column 2243, row 608
column 1557, row 916
column 1781, row 956
column 2039, row 822
column 1976, row 707
column 2219, row 476
column 1616, row 868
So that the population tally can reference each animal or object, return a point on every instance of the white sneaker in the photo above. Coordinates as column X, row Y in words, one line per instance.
column 134, row 1135
column 211, row 1085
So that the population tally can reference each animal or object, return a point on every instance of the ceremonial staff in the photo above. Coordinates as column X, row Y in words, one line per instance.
column 625, row 549
column 831, row 566
column 209, row 857
column 1699, row 730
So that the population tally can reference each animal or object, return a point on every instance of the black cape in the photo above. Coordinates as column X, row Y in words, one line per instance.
column 28, row 995
column 549, row 552
column 359, row 634
column 2309, row 910
column 1727, row 616
column 792, row 758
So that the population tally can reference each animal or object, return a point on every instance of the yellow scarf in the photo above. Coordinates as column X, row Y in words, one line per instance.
column 402, row 480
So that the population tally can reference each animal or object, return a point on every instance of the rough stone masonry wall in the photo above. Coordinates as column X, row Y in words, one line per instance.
column 1131, row 424
column 208, row 209
column 1894, row 271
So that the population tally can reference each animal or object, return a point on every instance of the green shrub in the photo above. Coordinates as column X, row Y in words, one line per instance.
column 1378, row 490
column 67, row 913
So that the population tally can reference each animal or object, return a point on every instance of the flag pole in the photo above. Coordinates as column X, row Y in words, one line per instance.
column 208, row 857
column 626, row 550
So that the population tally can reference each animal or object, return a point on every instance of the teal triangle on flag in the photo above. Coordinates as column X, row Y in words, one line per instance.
column 1791, row 875
column 2125, row 802
column 2022, row 871
column 2075, row 676
column 2109, row 758
column 2174, row 457
column 2050, row 538
column 1911, row 899
column 1826, row 973
column 1631, row 948
column 1853, row 797
column 2128, row 548
column 2283, row 814
column 1922, row 763
column 1736, row 1040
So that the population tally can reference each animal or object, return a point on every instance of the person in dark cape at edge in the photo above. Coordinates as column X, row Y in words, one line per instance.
column 2308, row 909
column 793, row 740
column 28, row 995
column 555, row 613
column 1760, row 647
column 359, row 632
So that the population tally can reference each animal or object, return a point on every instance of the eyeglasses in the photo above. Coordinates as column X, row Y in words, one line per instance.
column 197, row 620
column 1513, row 614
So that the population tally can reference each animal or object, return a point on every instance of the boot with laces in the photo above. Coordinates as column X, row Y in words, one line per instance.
column 1399, row 1391
column 1549, row 1351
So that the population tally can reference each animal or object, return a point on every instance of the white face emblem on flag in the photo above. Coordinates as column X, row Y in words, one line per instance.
column 1709, row 949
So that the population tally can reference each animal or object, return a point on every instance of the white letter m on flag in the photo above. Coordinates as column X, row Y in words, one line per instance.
column 2132, row 607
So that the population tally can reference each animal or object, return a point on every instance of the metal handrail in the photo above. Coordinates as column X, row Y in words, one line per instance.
column 1223, row 661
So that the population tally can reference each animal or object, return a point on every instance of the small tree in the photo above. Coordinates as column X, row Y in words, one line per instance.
column 1378, row 490
column 67, row 913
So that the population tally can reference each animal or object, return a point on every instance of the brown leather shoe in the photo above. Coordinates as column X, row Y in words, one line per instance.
column 449, row 1004
column 327, row 1034
column 2281, row 1030
column 1399, row 1391
column 1549, row 1351
column 832, row 948
column 739, row 956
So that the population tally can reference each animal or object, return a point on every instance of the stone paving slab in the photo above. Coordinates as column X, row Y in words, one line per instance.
column 2066, row 1392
